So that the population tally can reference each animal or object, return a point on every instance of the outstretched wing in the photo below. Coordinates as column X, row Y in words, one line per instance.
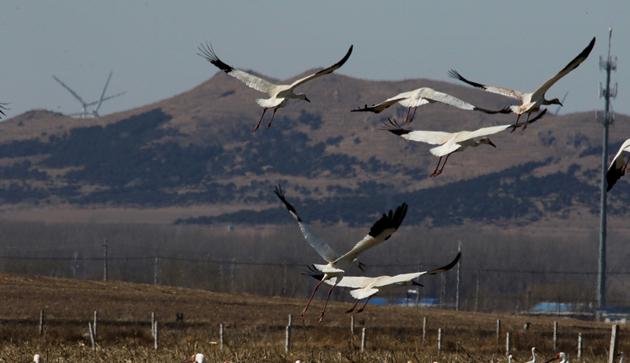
column 399, row 279
column 498, row 90
column 381, row 106
column 429, row 137
column 441, row 97
column 323, row 72
column 566, row 70
column 615, row 171
column 380, row 232
column 254, row 82
column 538, row 117
column 484, row 131
column 311, row 237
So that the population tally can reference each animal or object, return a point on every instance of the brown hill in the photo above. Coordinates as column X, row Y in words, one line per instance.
column 222, row 112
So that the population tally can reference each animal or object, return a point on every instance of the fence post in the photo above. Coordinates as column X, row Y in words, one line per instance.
column 92, row 335
column 156, row 335
column 290, row 320
column 156, row 269
column 352, row 324
column 221, row 329
column 555, row 335
column 614, row 335
column 94, row 325
column 287, row 344
column 498, row 330
column 363, row 338
column 579, row 352
column 477, row 290
column 424, row 328
column 507, row 344
column 41, row 322
column 440, row 339
column 153, row 324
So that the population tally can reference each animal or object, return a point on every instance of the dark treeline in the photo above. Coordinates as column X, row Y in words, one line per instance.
column 515, row 270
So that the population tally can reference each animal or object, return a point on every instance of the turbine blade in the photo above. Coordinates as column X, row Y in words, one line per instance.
column 71, row 91
column 100, row 100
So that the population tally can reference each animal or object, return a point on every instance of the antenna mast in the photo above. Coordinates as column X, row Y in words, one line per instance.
column 608, row 65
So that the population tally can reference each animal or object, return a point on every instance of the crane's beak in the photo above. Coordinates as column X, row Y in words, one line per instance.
column 306, row 99
column 413, row 283
column 361, row 266
column 552, row 359
column 490, row 143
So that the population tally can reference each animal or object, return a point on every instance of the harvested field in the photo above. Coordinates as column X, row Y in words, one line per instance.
column 255, row 327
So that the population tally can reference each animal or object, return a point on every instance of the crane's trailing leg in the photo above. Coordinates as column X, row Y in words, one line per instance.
column 353, row 306
column 321, row 316
column 363, row 307
column 413, row 115
column 309, row 300
column 407, row 117
column 274, row 113
column 443, row 165
column 261, row 116
column 435, row 172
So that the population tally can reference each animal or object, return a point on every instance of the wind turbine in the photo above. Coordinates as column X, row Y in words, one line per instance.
column 84, row 112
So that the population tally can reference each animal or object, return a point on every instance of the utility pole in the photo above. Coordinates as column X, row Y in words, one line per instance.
column 459, row 250
column 105, row 259
column 608, row 65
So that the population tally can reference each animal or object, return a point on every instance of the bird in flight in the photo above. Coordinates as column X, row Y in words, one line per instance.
column 280, row 94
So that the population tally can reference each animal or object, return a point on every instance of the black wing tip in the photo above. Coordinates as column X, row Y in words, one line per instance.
column 310, row 270
column 365, row 108
column 390, row 220
column 504, row 110
column 454, row 74
column 394, row 128
column 612, row 176
column 280, row 194
column 208, row 52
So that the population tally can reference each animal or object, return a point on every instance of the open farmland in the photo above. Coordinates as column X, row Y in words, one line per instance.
column 255, row 327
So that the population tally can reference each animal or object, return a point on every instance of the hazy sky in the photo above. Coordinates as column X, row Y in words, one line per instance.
column 152, row 46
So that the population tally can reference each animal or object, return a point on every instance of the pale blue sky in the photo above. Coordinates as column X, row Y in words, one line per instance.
column 152, row 46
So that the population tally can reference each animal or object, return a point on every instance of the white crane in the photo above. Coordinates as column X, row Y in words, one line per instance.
column 37, row 358
column 423, row 96
column 279, row 95
column 533, row 356
column 618, row 167
column 562, row 356
column 451, row 142
column 84, row 105
column 531, row 102
column 366, row 287
column 337, row 265
column 196, row 358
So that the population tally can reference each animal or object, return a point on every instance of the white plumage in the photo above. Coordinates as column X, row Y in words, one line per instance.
column 278, row 94
column 196, row 358
column 366, row 287
column 338, row 264
column 531, row 102
column 451, row 142
column 617, row 167
column 423, row 96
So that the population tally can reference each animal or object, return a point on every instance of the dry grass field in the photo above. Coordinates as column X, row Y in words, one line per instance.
column 255, row 327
